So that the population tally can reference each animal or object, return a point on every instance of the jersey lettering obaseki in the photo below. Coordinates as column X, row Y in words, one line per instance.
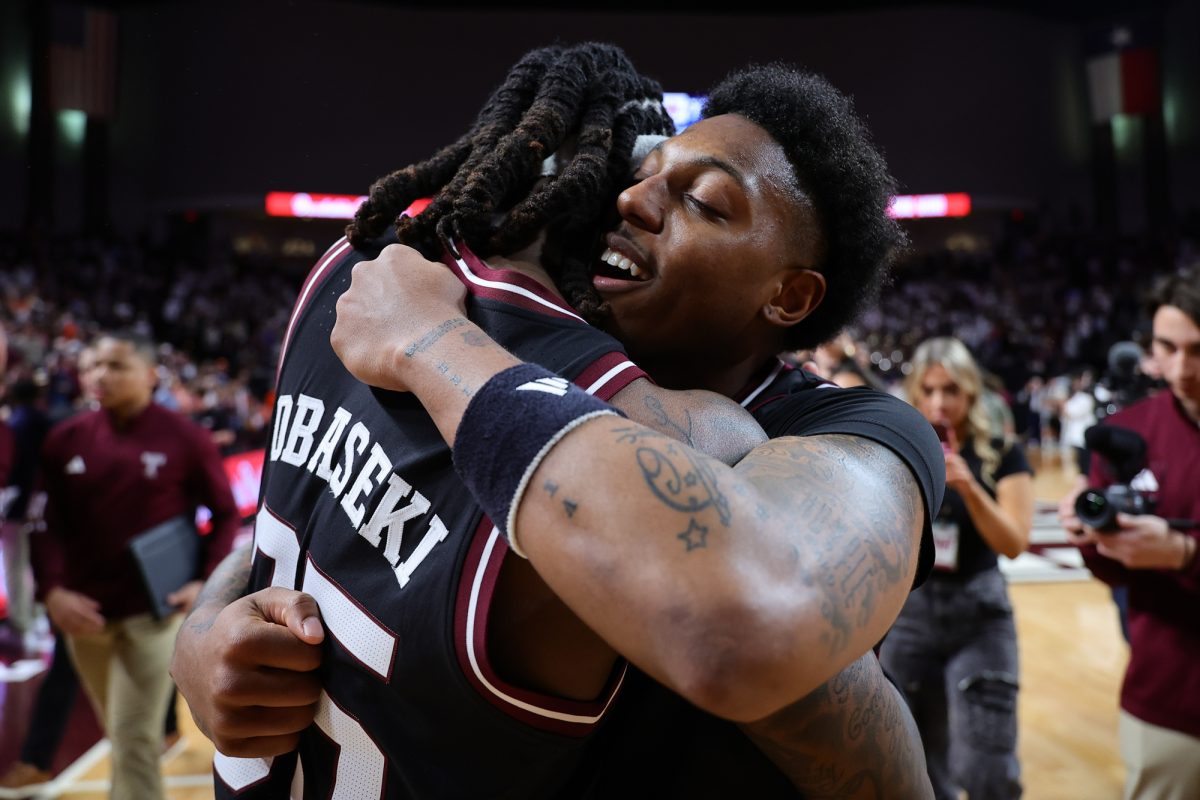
column 361, row 508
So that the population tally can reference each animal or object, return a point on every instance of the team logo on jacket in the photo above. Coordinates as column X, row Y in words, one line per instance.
column 152, row 461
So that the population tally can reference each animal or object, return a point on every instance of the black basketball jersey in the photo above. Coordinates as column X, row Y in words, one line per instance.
column 361, row 508
column 657, row 745
column 787, row 401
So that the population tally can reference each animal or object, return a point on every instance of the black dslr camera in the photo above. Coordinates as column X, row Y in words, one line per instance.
column 1099, row 509
column 1125, row 450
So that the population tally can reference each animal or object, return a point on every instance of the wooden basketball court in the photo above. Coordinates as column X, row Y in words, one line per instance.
column 1072, row 661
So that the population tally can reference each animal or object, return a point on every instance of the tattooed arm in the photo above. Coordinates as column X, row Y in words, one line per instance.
column 782, row 570
column 245, row 665
column 743, row 588
column 854, row 737
column 227, row 583
column 705, row 421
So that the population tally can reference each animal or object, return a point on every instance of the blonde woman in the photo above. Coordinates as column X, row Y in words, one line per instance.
column 953, row 649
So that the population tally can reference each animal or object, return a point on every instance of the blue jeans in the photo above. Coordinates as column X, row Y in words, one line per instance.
column 953, row 651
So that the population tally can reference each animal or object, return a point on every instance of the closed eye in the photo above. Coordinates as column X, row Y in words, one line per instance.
column 702, row 207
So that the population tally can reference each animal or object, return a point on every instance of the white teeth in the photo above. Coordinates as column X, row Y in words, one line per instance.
column 620, row 262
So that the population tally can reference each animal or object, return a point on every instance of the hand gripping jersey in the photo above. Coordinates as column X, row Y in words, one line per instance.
column 361, row 508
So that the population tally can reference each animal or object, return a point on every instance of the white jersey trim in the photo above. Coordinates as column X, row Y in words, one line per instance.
column 472, row 609
column 599, row 383
column 511, row 287
column 762, row 386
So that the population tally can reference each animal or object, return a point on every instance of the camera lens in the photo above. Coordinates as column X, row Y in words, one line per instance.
column 1095, row 511
column 1093, row 504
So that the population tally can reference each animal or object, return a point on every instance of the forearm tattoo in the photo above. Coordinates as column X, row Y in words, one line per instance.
column 229, row 581
column 455, row 379
column 427, row 341
column 853, row 737
column 477, row 339
column 472, row 338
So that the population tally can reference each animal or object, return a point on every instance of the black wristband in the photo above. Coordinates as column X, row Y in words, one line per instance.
column 509, row 426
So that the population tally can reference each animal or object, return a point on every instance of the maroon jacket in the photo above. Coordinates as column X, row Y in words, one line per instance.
column 1162, row 683
column 105, row 486
column 8, row 453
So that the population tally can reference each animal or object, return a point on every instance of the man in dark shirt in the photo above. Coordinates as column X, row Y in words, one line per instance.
column 109, row 475
column 1154, row 555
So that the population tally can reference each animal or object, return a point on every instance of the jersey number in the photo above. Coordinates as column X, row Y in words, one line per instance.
column 360, row 765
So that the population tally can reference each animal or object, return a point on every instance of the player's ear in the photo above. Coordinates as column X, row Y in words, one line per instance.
column 799, row 293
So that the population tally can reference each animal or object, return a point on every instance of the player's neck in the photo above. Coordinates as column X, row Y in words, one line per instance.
column 727, row 379
column 126, row 413
column 529, row 267
column 724, row 365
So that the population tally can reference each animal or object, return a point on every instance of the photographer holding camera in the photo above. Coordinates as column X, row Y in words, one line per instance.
column 1147, row 458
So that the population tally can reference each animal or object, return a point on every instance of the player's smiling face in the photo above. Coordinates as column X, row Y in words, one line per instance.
column 710, row 233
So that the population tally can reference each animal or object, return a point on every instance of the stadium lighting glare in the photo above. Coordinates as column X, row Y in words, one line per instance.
column 925, row 206
column 319, row 206
column 21, row 100
column 343, row 206
column 684, row 108
column 73, row 125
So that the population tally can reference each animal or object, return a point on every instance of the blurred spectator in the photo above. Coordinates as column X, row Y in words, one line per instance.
column 1027, row 411
column 953, row 649
column 1154, row 556
column 109, row 475
column 28, row 424
column 999, row 409
column 849, row 374
column 222, row 323
column 1078, row 413
column 57, row 692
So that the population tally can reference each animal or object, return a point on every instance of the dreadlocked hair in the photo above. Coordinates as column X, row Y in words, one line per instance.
column 484, row 187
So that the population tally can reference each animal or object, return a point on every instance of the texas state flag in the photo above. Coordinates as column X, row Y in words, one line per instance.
column 1124, row 78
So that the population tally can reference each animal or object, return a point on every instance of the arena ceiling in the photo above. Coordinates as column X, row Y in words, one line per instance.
column 1062, row 10
column 1082, row 11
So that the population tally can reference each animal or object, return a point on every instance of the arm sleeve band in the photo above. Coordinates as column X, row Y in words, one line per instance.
column 509, row 426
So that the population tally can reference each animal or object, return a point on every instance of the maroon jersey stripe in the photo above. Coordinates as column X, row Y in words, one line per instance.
column 506, row 285
column 554, row 714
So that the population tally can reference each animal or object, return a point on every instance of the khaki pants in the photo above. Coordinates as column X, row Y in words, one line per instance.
column 124, row 670
column 1161, row 764
column 15, row 542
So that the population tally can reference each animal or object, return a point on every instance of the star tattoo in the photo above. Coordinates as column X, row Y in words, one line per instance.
column 695, row 537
